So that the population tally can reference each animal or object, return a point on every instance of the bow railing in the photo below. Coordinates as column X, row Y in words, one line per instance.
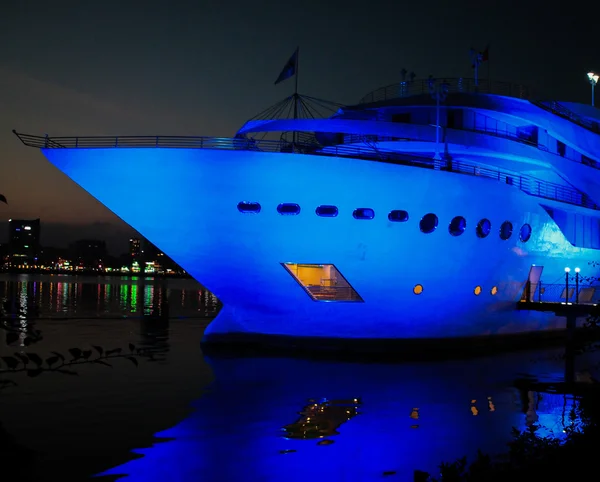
column 530, row 185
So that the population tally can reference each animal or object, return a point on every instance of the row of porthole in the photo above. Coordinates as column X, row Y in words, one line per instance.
column 418, row 289
column 427, row 225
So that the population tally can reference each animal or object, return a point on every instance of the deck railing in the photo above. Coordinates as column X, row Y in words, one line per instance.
column 456, row 85
column 530, row 185
column 483, row 86
column 583, row 293
column 560, row 110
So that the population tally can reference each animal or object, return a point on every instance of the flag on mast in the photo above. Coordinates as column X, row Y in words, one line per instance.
column 290, row 68
column 485, row 55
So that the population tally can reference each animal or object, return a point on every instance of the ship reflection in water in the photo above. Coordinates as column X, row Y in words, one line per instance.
column 359, row 422
column 321, row 419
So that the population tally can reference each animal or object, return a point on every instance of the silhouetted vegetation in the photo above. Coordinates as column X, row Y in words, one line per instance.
column 33, row 364
column 535, row 457
column 532, row 456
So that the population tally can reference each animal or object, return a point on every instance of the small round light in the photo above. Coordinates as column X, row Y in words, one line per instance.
column 577, row 270
column 567, row 270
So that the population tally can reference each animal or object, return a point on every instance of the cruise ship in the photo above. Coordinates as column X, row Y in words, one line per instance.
column 425, row 212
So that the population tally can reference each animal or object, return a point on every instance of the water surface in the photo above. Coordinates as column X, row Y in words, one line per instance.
column 189, row 417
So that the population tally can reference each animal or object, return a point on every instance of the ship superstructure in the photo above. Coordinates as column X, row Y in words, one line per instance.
column 402, row 217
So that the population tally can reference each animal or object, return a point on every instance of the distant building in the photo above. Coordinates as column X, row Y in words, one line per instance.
column 88, row 253
column 135, row 248
column 23, row 241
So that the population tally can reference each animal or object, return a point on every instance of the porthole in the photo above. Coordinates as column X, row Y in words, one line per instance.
column 525, row 233
column 494, row 290
column 248, row 207
column 363, row 213
column 327, row 211
column 483, row 228
column 477, row 290
column 288, row 209
column 398, row 216
column 457, row 226
column 506, row 230
column 418, row 289
column 428, row 223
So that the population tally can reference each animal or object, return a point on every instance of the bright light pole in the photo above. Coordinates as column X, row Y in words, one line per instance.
column 593, row 78
column 438, row 91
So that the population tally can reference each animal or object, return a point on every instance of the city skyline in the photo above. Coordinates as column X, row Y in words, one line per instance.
column 128, row 75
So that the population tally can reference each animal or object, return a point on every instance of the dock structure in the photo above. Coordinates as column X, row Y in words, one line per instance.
column 582, row 306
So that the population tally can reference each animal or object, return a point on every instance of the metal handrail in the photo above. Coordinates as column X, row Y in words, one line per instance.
column 560, row 110
column 456, row 85
column 557, row 292
column 530, row 185
column 482, row 86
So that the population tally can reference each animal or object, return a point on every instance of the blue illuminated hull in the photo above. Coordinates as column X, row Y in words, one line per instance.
column 189, row 210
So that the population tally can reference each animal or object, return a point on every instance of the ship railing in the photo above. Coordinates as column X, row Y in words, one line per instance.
column 560, row 110
column 455, row 85
column 333, row 293
column 490, row 131
column 583, row 293
column 530, row 185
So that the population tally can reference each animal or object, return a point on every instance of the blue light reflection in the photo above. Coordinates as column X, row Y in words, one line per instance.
column 289, row 419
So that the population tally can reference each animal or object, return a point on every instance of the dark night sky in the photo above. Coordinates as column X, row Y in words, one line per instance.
column 203, row 68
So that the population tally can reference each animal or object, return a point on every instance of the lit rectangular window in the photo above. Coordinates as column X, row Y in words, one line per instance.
column 322, row 282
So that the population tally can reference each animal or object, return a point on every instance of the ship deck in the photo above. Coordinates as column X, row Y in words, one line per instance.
column 530, row 185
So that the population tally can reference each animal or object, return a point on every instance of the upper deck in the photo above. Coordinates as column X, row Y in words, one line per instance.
column 528, row 184
column 421, row 88
column 454, row 85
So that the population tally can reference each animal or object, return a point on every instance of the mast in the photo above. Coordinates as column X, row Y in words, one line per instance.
column 296, row 95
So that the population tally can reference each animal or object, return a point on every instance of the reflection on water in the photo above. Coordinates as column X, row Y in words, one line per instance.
column 321, row 419
column 26, row 296
column 412, row 416
column 263, row 419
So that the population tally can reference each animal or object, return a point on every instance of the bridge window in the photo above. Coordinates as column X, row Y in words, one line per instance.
column 327, row 211
column 457, row 226
column 363, row 213
column 561, row 148
column 525, row 233
column 428, row 223
column 322, row 282
column 483, row 228
column 398, row 216
column 248, row 207
column 506, row 230
column 288, row 209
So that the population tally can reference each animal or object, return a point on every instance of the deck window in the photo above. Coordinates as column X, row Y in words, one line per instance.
column 457, row 226
column 322, row 282
column 327, row 211
column 248, row 207
column 363, row 213
column 483, row 228
column 288, row 209
column 525, row 233
column 428, row 223
column 398, row 216
column 506, row 230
